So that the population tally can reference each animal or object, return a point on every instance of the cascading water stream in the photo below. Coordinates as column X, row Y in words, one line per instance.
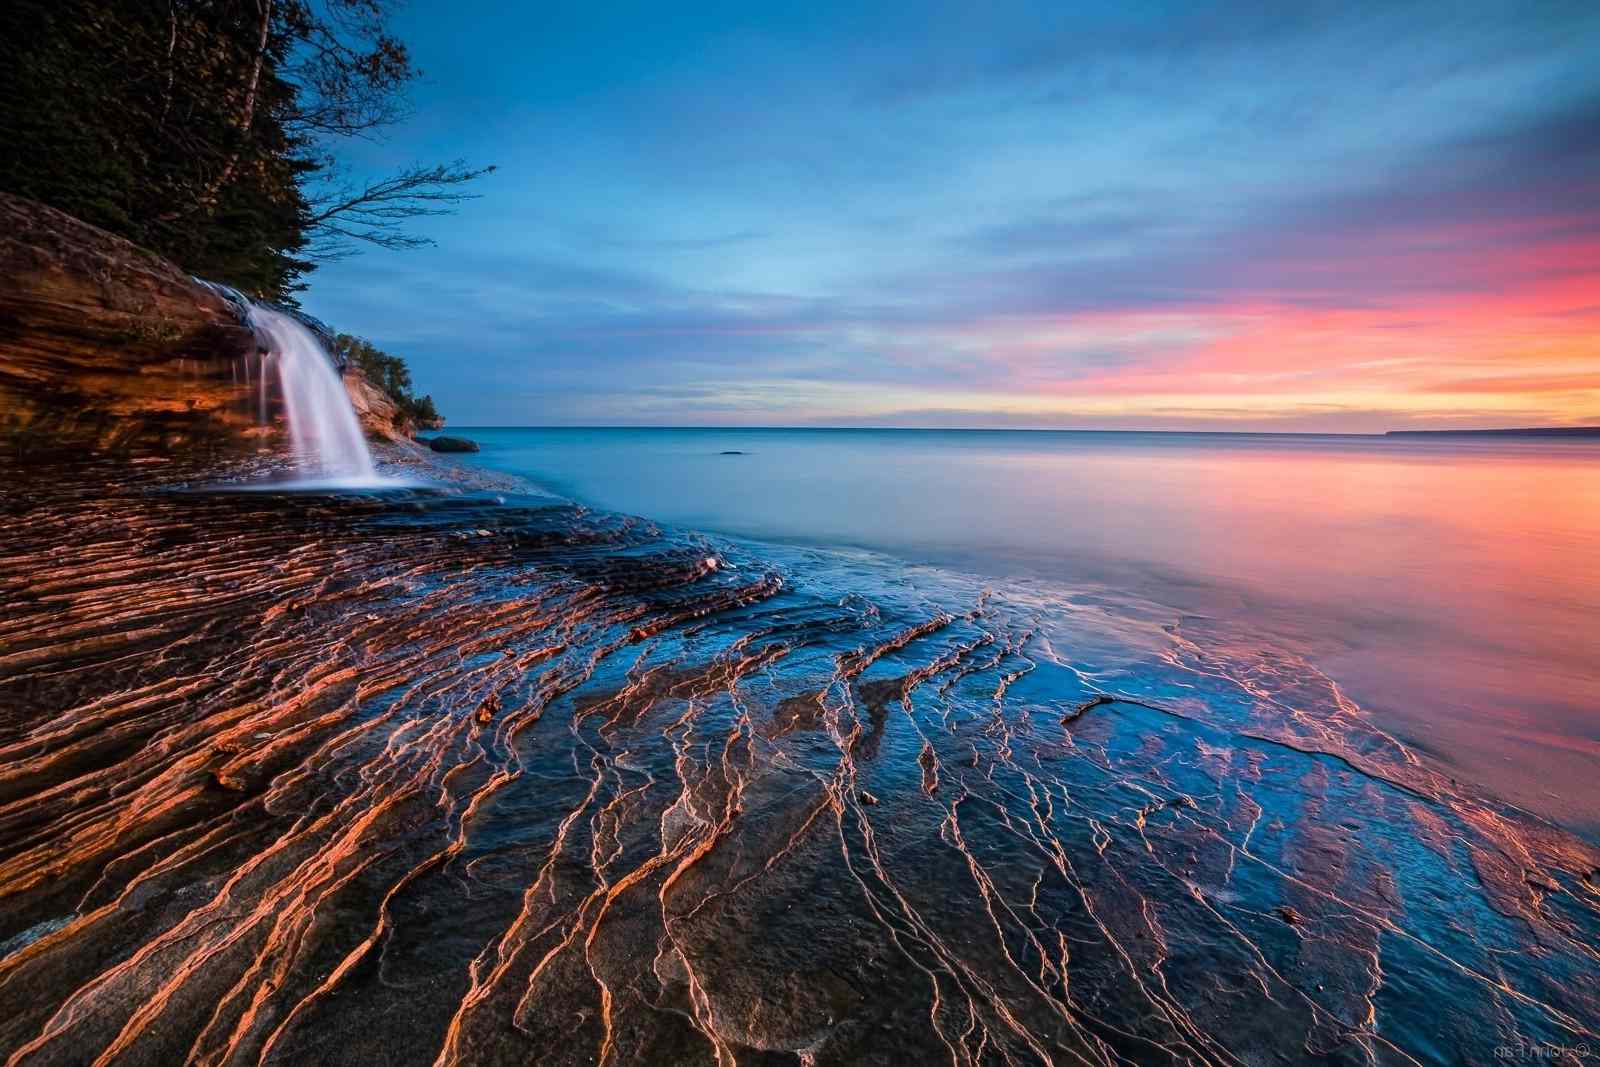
column 327, row 440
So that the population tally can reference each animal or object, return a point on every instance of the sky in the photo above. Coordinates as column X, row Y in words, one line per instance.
column 1237, row 216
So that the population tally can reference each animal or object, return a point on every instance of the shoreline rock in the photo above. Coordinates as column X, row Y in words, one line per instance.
column 380, row 417
column 451, row 444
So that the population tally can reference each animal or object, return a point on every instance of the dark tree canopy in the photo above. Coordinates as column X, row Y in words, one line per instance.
column 204, row 129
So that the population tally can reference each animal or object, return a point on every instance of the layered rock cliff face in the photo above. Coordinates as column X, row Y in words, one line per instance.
column 107, row 347
column 381, row 418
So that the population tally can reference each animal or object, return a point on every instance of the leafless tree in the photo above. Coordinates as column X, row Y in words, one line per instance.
column 347, row 214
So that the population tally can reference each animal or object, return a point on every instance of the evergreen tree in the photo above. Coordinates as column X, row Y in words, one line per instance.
column 387, row 372
column 203, row 129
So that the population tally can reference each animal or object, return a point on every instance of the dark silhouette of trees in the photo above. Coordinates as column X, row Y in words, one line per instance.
column 206, row 130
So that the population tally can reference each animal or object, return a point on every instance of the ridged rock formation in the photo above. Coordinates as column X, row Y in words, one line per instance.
column 104, row 345
column 462, row 779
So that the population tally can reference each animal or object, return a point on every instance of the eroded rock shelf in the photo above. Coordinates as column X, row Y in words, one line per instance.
column 446, row 777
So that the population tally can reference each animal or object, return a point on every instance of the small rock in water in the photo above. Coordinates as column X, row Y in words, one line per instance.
column 732, row 452
column 452, row 444
column 868, row 798
column 1093, row 702
column 1289, row 915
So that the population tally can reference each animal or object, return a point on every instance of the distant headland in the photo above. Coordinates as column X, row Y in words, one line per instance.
column 1528, row 431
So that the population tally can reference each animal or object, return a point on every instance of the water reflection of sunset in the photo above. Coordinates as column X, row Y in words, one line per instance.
column 1449, row 584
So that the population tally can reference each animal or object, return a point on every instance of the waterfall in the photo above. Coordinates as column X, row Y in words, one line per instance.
column 327, row 439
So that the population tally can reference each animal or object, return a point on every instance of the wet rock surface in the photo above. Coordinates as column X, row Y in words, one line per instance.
column 461, row 776
column 452, row 444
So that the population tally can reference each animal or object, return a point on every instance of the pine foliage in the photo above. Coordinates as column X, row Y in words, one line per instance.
column 205, row 130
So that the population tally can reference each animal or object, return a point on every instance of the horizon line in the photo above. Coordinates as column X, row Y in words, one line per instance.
column 1534, row 431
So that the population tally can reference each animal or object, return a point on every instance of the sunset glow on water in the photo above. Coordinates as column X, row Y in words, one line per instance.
column 1451, row 585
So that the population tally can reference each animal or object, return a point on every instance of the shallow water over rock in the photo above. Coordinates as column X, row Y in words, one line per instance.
column 434, row 776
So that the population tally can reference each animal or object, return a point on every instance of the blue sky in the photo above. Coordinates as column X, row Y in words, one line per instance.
column 1256, row 216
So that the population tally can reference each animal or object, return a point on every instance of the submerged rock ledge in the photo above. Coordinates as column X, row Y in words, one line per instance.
column 457, row 778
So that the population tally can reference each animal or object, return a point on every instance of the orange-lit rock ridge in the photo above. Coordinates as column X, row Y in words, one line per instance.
column 437, row 777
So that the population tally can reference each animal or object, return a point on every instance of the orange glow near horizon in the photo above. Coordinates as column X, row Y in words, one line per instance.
column 1523, row 352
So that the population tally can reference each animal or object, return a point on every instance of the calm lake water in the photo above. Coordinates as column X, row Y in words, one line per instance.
column 1450, row 586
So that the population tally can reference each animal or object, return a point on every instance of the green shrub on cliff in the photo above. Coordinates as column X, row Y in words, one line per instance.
column 205, row 129
column 388, row 373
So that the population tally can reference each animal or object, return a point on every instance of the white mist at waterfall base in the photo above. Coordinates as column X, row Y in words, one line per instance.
column 326, row 437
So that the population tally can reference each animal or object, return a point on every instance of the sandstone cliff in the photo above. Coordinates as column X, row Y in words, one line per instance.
column 106, row 346
column 380, row 416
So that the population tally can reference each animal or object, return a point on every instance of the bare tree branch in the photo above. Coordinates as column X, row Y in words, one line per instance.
column 346, row 76
column 351, row 72
column 347, row 215
column 172, row 70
